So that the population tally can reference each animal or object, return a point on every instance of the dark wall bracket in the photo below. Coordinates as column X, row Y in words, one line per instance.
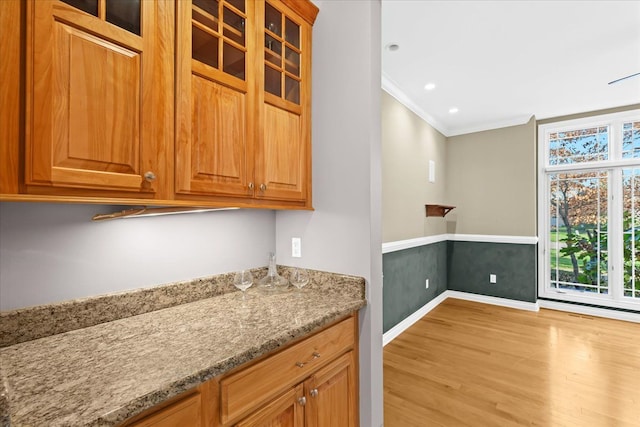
column 438, row 210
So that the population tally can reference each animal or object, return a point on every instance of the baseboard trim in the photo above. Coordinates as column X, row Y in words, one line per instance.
column 590, row 311
column 485, row 299
column 394, row 332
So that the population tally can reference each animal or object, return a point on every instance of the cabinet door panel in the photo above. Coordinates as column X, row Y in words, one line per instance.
column 282, row 156
column 97, row 121
column 217, row 156
column 90, row 90
column 332, row 394
column 284, row 411
column 214, row 107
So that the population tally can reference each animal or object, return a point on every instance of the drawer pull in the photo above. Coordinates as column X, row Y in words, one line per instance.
column 316, row 355
column 314, row 392
column 302, row 401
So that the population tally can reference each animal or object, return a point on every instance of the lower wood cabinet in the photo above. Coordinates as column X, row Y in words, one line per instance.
column 326, row 399
column 185, row 412
column 311, row 383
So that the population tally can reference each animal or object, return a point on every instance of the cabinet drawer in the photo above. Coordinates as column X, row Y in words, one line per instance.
column 252, row 387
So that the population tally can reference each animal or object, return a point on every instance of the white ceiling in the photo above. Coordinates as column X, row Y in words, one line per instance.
column 501, row 62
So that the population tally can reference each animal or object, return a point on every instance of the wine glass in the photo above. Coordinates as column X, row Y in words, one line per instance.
column 299, row 278
column 243, row 281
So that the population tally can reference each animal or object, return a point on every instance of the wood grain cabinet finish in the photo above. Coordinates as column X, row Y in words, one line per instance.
column 244, row 72
column 158, row 102
column 310, row 384
column 92, row 96
column 186, row 412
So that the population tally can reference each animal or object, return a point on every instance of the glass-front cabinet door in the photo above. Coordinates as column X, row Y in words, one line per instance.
column 218, row 35
column 281, row 55
column 214, row 104
column 281, row 163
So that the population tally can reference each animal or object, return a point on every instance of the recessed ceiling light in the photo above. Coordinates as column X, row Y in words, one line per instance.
column 430, row 86
column 392, row 47
column 453, row 110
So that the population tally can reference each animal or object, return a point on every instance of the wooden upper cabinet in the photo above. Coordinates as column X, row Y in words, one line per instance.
column 215, row 97
column 283, row 167
column 93, row 96
column 244, row 100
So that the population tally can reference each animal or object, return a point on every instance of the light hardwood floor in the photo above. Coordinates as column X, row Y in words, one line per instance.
column 472, row 364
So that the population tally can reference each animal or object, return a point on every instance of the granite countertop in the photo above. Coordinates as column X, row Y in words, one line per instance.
column 103, row 374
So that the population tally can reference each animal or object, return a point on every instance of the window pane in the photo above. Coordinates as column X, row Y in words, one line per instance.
column 631, row 231
column 292, row 90
column 272, row 81
column 631, row 140
column 292, row 33
column 233, row 62
column 125, row 14
column 89, row 6
column 208, row 6
column 273, row 20
column 204, row 47
column 578, row 146
column 578, row 240
column 292, row 61
column 238, row 4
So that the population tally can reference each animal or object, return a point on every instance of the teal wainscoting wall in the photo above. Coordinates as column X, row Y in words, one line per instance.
column 458, row 266
column 471, row 263
column 405, row 272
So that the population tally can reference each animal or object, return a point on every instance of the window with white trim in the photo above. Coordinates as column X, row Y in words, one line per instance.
column 589, row 210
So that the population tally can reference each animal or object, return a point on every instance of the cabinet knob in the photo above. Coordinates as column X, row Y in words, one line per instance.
column 302, row 401
column 251, row 186
column 150, row 176
column 263, row 187
column 314, row 392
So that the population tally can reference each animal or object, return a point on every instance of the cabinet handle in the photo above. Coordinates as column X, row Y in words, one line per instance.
column 316, row 355
column 251, row 186
column 263, row 187
column 314, row 392
column 150, row 176
column 302, row 401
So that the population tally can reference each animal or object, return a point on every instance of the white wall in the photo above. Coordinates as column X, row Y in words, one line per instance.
column 54, row 252
column 343, row 234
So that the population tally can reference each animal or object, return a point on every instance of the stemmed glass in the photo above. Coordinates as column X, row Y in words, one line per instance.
column 243, row 281
column 299, row 278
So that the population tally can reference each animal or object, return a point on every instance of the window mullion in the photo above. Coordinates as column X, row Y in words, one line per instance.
column 616, row 254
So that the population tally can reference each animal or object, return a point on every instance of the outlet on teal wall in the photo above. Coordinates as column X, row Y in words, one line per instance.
column 470, row 265
column 455, row 265
column 405, row 272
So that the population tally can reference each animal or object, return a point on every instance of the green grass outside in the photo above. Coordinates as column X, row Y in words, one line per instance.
column 564, row 261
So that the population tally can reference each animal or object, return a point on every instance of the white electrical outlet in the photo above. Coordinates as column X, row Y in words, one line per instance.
column 492, row 278
column 426, row 284
column 296, row 247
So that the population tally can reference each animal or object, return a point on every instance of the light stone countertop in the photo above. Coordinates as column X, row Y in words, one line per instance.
column 104, row 374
